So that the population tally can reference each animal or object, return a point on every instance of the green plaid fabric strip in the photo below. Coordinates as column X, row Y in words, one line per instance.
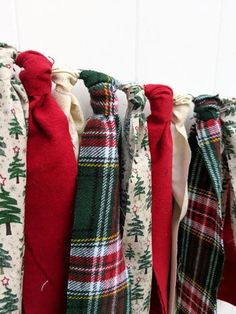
column 200, row 254
column 98, row 279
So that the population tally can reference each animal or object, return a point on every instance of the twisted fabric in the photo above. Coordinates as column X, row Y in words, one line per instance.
column 51, row 175
column 200, row 253
column 65, row 81
column 136, row 205
column 160, row 140
column 98, row 278
column 13, row 137
column 180, row 167
column 228, row 116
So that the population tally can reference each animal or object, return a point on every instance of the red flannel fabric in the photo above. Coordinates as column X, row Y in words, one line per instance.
column 160, row 141
column 51, row 178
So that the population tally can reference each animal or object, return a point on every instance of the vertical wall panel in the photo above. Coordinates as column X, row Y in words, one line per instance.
column 178, row 43
column 8, row 25
column 225, row 80
column 87, row 34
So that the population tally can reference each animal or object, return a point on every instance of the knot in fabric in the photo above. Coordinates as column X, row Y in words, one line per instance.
column 102, row 89
column 181, row 108
column 36, row 76
column 7, row 59
column 135, row 96
column 161, row 101
column 207, row 107
column 64, row 80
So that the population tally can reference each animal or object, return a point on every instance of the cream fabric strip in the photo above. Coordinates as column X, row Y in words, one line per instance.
column 13, row 138
column 180, row 167
column 65, row 81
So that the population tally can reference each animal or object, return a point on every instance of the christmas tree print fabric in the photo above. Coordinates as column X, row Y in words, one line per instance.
column 98, row 279
column 200, row 243
column 228, row 117
column 13, row 136
column 226, row 290
column 180, row 168
column 136, row 200
column 65, row 80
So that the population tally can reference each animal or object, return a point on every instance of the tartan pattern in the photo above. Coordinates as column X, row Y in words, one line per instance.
column 98, row 278
column 228, row 117
column 136, row 200
column 200, row 254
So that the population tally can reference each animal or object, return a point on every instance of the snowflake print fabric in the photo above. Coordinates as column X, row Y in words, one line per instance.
column 13, row 136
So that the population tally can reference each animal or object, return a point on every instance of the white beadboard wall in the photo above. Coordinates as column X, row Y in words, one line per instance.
column 187, row 44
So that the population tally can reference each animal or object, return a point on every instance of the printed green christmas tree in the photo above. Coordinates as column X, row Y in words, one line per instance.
column 148, row 197
column 139, row 187
column 129, row 253
column 136, row 227
column 2, row 146
column 126, row 202
column 9, row 302
column 15, row 128
column 5, row 259
column 137, row 292
column 147, row 301
column 16, row 168
column 131, row 277
column 144, row 142
column 9, row 212
column 145, row 260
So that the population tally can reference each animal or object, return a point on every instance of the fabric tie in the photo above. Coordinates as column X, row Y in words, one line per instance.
column 13, row 137
column 200, row 252
column 180, row 167
column 65, row 81
column 136, row 200
column 160, row 139
column 51, row 178
column 98, row 278
column 228, row 116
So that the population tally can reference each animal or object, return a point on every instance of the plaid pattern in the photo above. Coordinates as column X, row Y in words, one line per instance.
column 136, row 200
column 200, row 254
column 228, row 117
column 98, row 278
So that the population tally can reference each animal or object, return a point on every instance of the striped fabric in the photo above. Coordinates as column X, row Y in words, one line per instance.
column 200, row 254
column 98, row 278
column 136, row 196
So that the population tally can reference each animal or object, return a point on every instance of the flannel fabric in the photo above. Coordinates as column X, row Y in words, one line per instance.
column 13, row 137
column 98, row 278
column 200, row 253
column 180, row 167
column 160, row 141
column 65, row 80
column 136, row 196
column 228, row 116
column 51, row 182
